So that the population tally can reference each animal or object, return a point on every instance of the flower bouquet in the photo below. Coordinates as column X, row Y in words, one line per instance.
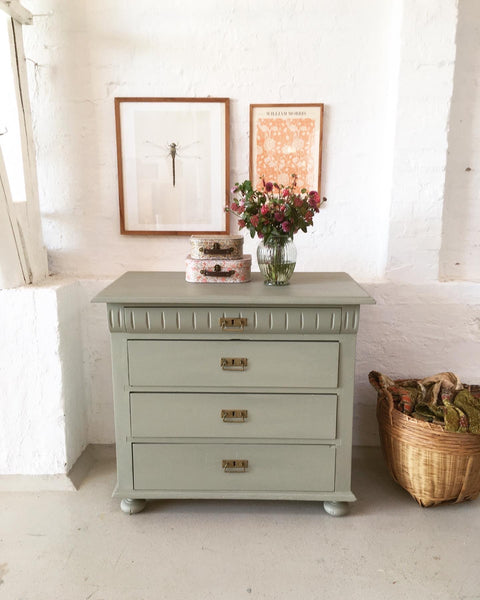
column 275, row 213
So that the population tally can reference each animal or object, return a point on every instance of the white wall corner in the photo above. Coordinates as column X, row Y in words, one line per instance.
column 70, row 334
column 43, row 422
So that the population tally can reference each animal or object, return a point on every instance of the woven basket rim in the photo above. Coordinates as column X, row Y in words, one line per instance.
column 398, row 420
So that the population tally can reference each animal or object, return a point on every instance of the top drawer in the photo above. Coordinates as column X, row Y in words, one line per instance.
column 199, row 363
column 153, row 319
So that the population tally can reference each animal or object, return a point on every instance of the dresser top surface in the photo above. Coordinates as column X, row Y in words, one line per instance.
column 170, row 288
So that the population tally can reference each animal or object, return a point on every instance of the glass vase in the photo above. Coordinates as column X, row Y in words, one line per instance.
column 276, row 260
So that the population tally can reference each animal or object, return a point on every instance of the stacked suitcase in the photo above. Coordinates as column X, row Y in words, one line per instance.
column 217, row 259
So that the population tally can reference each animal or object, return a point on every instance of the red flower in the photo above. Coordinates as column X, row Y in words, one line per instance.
column 308, row 215
column 241, row 223
column 297, row 201
column 279, row 217
column 286, row 226
column 254, row 220
column 235, row 207
column 314, row 200
column 268, row 186
column 285, row 193
column 264, row 210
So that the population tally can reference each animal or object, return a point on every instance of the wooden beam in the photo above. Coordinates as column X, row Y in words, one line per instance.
column 14, row 9
column 14, row 270
column 30, row 220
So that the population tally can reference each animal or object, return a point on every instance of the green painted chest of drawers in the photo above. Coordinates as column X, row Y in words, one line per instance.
column 233, row 391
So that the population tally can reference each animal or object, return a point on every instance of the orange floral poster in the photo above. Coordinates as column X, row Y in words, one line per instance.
column 286, row 140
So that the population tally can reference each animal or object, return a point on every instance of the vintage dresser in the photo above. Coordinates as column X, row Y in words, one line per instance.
column 239, row 391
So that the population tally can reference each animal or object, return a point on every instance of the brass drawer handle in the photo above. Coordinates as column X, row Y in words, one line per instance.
column 217, row 272
column 234, row 364
column 215, row 249
column 235, row 466
column 233, row 323
column 234, row 415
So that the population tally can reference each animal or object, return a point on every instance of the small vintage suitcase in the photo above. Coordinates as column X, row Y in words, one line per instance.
column 218, row 270
column 216, row 246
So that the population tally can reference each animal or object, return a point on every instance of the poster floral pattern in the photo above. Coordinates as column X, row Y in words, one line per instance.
column 284, row 147
column 286, row 140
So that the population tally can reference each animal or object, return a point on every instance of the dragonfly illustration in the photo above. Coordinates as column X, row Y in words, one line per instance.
column 173, row 150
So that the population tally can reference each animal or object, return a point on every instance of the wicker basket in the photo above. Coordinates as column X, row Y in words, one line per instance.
column 432, row 465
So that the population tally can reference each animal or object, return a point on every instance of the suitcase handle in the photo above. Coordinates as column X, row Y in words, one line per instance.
column 215, row 249
column 217, row 272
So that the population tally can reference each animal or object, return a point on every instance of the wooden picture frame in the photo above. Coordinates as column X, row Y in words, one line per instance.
column 173, row 165
column 286, row 139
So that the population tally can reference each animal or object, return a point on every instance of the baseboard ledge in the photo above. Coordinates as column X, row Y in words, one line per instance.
column 36, row 483
column 59, row 482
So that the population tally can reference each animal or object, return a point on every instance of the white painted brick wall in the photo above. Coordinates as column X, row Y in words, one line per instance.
column 275, row 51
column 460, row 256
column 425, row 87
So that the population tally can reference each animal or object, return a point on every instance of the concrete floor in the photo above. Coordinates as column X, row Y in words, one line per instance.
column 80, row 546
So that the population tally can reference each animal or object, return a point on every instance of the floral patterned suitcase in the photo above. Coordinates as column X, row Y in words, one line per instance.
column 218, row 270
column 216, row 246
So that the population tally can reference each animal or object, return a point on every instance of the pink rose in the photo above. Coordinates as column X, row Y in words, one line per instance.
column 269, row 186
column 297, row 201
column 279, row 217
column 285, row 193
column 308, row 215
column 234, row 207
column 260, row 235
column 314, row 199
column 286, row 226
column 241, row 223
column 254, row 220
column 264, row 210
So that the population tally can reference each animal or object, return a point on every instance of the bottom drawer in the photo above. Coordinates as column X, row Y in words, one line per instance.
column 271, row 467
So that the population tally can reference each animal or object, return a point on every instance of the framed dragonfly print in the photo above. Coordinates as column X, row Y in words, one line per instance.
column 173, row 165
column 286, row 139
